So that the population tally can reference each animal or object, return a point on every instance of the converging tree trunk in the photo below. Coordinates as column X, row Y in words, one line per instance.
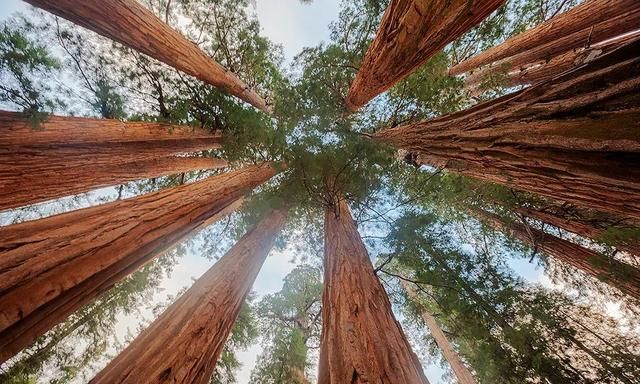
column 69, row 155
column 591, row 21
column 18, row 189
column 613, row 272
column 546, row 68
column 185, row 342
column 53, row 266
column 130, row 23
column 410, row 33
column 63, row 131
column 592, row 228
column 361, row 341
column 461, row 372
column 574, row 138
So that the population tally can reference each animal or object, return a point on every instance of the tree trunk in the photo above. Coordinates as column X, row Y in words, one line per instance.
column 185, row 342
column 546, row 68
column 590, row 228
column 410, row 33
column 53, row 266
column 461, row 372
column 18, row 189
column 577, row 27
column 614, row 273
column 68, row 155
column 131, row 24
column 574, row 138
column 61, row 131
column 361, row 341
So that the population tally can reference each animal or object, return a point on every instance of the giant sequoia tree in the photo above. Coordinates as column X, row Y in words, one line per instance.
column 553, row 164
column 134, row 25
column 185, row 342
column 54, row 160
column 81, row 254
column 554, row 139
column 361, row 340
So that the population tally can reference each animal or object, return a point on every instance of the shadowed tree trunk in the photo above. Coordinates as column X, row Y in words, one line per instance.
column 547, row 68
column 53, row 266
column 130, row 23
column 18, row 189
column 410, row 33
column 361, row 341
column 185, row 342
column 590, row 228
column 461, row 372
column 574, row 138
column 614, row 273
column 591, row 21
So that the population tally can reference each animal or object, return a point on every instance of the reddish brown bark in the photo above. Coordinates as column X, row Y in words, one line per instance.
column 68, row 155
column 591, row 21
column 17, row 132
column 615, row 273
column 546, row 69
column 590, row 228
column 461, row 372
column 131, row 24
column 361, row 341
column 53, row 266
column 30, row 187
column 185, row 342
column 410, row 33
column 574, row 138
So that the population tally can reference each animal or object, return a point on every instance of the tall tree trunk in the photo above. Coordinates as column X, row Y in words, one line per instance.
column 573, row 138
column 185, row 342
column 131, row 24
column 361, row 341
column 410, row 33
column 53, row 266
column 577, row 27
column 546, row 68
column 68, row 155
column 61, row 131
column 18, row 189
column 613, row 272
column 461, row 372
column 590, row 228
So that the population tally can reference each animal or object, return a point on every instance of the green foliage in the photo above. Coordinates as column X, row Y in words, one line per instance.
column 289, row 324
column 25, row 71
column 507, row 330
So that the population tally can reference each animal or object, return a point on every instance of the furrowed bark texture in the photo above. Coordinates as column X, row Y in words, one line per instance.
column 574, row 138
column 53, row 266
column 24, row 188
column 615, row 273
column 361, row 341
column 16, row 131
column 410, row 33
column 68, row 155
column 546, row 68
column 130, row 23
column 591, row 21
column 461, row 372
column 590, row 228
column 185, row 342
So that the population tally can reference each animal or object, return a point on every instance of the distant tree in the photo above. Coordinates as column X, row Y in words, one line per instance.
column 289, row 323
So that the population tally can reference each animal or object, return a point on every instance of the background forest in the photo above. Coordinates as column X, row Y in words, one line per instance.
column 469, row 256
